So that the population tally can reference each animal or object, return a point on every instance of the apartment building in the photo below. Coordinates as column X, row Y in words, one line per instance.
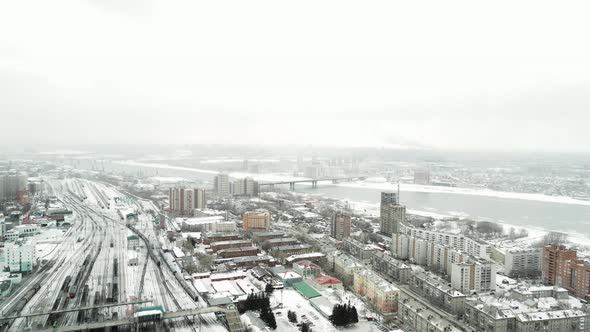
column 554, row 263
column 378, row 292
column 535, row 292
column 343, row 265
column 19, row 256
column 340, row 226
column 474, row 276
column 221, row 185
column 483, row 316
column 390, row 267
column 577, row 278
column 501, row 314
column 557, row 320
column 357, row 249
column 469, row 246
column 184, row 201
column 416, row 317
column 438, row 291
column 523, row 262
column 244, row 187
column 438, row 257
column 392, row 213
column 13, row 186
column 258, row 220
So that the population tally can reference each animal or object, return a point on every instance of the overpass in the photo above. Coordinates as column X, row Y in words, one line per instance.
column 231, row 315
column 27, row 316
column 314, row 182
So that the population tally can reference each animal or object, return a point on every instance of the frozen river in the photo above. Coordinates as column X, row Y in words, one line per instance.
column 530, row 213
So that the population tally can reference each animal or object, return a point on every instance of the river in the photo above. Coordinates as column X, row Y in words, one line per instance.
column 533, row 214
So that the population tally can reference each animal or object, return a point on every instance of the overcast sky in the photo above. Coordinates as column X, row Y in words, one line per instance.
column 459, row 75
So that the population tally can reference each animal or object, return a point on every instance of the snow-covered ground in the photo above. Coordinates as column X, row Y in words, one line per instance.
column 47, row 241
column 293, row 301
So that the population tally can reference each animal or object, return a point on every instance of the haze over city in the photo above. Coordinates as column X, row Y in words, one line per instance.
column 456, row 75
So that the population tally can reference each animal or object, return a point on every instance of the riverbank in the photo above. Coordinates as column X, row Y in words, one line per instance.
column 530, row 211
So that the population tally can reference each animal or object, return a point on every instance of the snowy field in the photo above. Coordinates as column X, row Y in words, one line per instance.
column 293, row 301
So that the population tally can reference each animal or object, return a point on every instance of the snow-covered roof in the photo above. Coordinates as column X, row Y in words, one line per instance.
column 200, row 220
column 306, row 263
column 309, row 255
column 178, row 252
column 289, row 275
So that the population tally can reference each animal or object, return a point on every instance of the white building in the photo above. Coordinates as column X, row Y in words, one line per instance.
column 133, row 242
column 418, row 251
column 469, row 246
column 205, row 224
column 440, row 258
column 224, row 227
column 475, row 276
column 244, row 187
column 19, row 256
column 184, row 201
column 20, row 231
column 221, row 185
column 400, row 246
column 523, row 262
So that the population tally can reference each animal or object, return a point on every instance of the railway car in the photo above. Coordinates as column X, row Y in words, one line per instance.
column 84, row 298
column 187, row 288
column 26, row 298
column 115, row 291
column 66, row 284
column 73, row 291
column 109, row 296
column 115, row 267
column 94, row 311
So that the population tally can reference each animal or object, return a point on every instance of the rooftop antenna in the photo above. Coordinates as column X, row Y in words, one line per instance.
column 397, row 191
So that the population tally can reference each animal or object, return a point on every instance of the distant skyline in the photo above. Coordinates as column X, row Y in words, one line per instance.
column 453, row 75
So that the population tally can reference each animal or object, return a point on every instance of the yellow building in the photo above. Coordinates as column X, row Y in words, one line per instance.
column 381, row 294
column 258, row 220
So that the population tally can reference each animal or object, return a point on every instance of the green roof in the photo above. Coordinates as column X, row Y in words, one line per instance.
column 132, row 237
column 156, row 307
column 306, row 290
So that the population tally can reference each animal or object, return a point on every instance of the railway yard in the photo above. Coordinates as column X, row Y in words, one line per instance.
column 90, row 267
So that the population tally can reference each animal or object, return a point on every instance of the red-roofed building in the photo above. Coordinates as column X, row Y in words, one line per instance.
column 307, row 268
column 323, row 281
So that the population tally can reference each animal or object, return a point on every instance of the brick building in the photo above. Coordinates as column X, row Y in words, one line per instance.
column 238, row 252
column 554, row 262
